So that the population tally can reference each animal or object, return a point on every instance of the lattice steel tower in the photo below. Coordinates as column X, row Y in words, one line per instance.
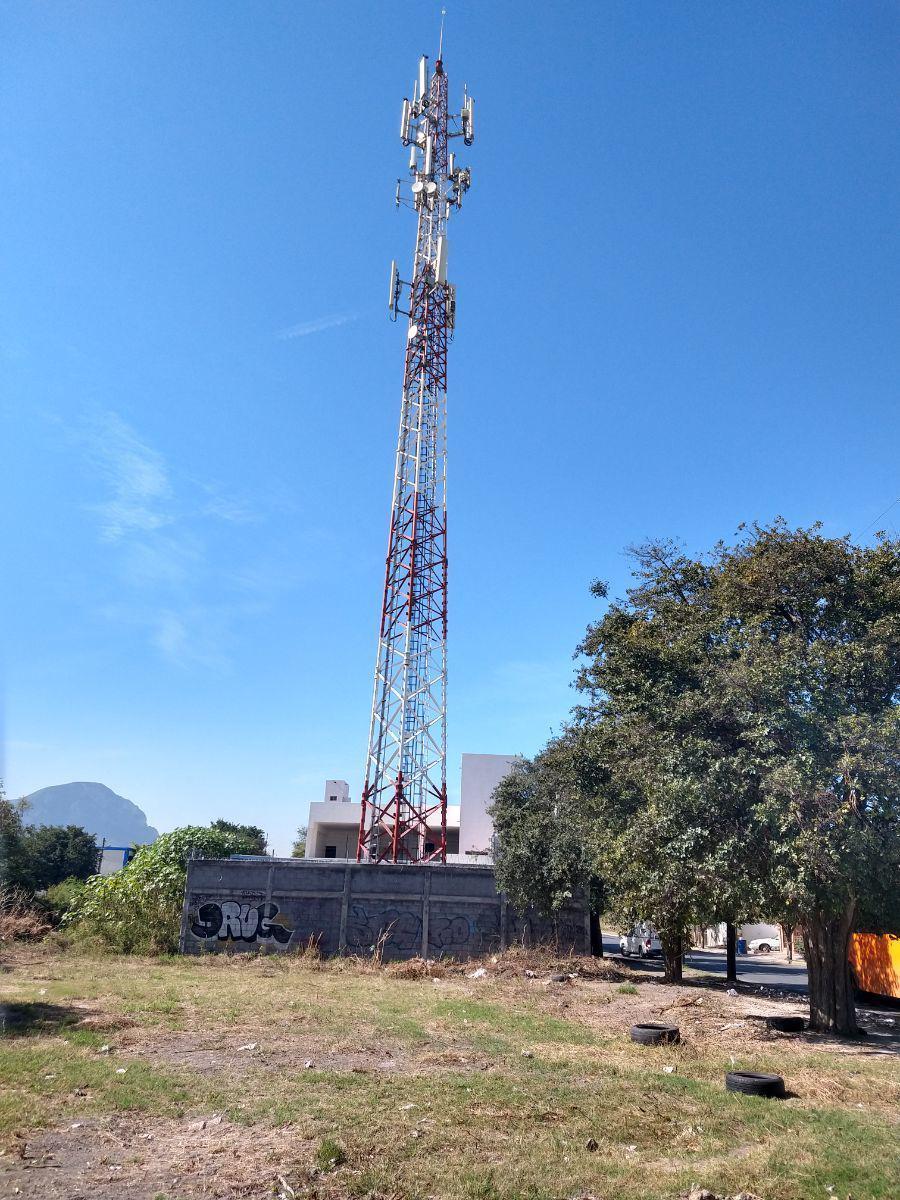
column 404, row 801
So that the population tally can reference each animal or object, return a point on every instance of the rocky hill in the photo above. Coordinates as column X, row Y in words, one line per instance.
column 95, row 808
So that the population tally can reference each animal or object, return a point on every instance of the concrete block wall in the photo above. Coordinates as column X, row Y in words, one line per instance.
column 434, row 911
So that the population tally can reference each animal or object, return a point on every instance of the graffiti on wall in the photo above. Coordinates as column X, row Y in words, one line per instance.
column 238, row 917
column 400, row 931
column 240, row 922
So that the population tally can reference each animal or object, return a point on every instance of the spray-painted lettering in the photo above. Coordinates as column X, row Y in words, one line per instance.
column 239, row 922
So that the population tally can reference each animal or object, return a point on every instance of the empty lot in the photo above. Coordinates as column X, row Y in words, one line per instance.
column 233, row 1077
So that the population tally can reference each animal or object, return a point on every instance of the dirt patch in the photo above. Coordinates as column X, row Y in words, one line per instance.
column 709, row 1016
column 112, row 1157
column 262, row 1048
column 285, row 1053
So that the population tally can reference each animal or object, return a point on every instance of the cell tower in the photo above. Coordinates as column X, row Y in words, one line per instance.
column 404, row 801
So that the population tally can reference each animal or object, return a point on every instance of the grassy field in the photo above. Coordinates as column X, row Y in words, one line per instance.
column 286, row 1077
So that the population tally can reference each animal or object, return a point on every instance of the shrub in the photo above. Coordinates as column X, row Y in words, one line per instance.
column 138, row 909
column 62, row 897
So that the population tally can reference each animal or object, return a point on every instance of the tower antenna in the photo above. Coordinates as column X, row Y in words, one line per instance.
column 404, row 800
column 441, row 38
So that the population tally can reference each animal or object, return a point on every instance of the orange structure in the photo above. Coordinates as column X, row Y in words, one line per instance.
column 875, row 963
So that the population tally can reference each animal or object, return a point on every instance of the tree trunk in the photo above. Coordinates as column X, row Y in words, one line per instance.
column 672, row 948
column 730, row 953
column 789, row 941
column 831, row 1004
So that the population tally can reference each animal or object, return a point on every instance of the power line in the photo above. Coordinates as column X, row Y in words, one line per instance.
column 880, row 515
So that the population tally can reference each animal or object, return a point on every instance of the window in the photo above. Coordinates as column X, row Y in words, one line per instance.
column 429, row 847
column 333, row 799
column 331, row 851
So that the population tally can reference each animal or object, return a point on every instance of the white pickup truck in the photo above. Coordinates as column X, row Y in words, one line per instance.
column 642, row 940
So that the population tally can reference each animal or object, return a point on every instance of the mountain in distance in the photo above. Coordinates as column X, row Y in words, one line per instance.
column 95, row 808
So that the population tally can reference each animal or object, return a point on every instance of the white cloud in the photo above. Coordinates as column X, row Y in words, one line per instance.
column 155, row 522
column 161, row 560
column 234, row 511
column 138, row 481
column 317, row 325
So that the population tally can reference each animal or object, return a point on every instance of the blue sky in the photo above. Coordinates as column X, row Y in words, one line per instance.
column 677, row 274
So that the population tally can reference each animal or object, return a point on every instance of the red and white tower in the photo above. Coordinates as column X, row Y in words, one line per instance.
column 404, row 801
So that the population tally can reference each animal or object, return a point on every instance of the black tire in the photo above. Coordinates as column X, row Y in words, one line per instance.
column 642, row 953
column 655, row 1035
column 748, row 1083
column 625, row 953
column 765, row 948
column 786, row 1024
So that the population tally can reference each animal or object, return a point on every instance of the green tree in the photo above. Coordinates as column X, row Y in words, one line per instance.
column 58, row 852
column 298, row 850
column 765, row 682
column 544, row 853
column 739, row 743
column 674, row 784
column 251, row 836
column 13, row 856
column 814, row 624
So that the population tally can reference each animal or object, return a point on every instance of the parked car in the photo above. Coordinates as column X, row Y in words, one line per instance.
column 642, row 940
column 763, row 945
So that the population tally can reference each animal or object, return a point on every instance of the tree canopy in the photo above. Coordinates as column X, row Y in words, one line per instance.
column 252, row 836
column 546, row 850
column 737, row 750
column 33, row 858
column 58, row 852
column 298, row 849
column 13, row 856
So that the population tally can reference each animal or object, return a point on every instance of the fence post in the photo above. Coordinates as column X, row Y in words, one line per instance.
column 345, row 909
column 426, row 910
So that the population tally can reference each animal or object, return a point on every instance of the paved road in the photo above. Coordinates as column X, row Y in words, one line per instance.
column 758, row 970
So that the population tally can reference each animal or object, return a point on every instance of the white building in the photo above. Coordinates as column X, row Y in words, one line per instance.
column 333, row 827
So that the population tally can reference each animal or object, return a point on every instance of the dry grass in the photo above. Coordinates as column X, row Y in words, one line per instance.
column 20, row 921
column 221, row 1077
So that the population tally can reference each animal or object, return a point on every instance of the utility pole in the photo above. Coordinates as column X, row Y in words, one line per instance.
column 730, row 953
column 404, row 800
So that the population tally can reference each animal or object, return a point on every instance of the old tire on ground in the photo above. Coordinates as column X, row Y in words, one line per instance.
column 751, row 1084
column 655, row 1035
column 786, row 1024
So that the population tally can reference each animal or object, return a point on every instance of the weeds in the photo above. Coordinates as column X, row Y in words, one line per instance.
column 20, row 918
column 330, row 1155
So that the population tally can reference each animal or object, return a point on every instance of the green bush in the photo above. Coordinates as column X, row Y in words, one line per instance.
column 138, row 909
column 62, row 897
